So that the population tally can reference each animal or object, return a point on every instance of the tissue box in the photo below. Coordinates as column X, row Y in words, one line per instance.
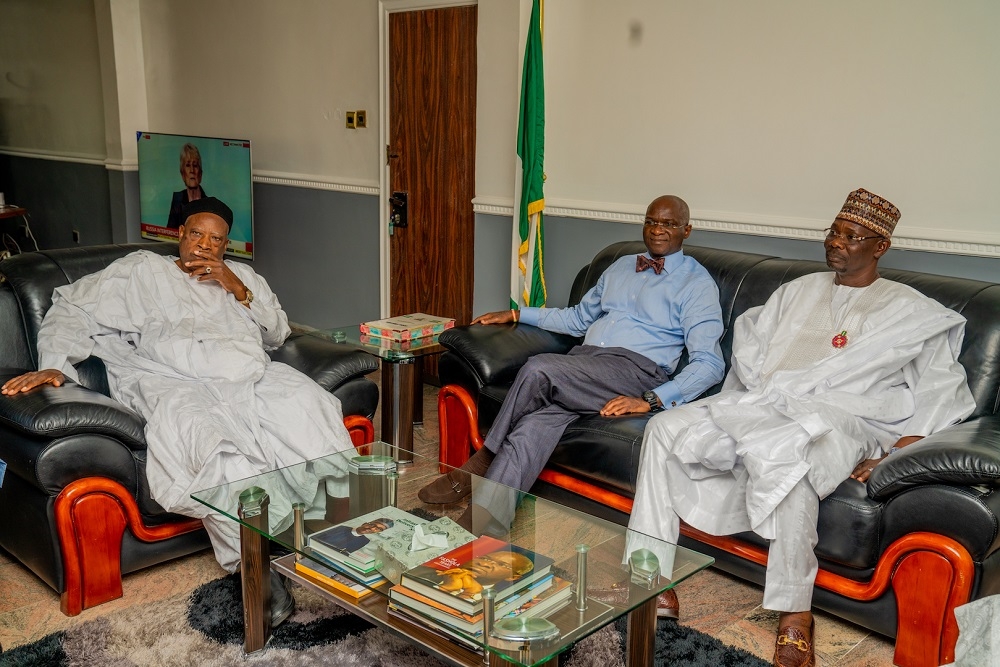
column 393, row 556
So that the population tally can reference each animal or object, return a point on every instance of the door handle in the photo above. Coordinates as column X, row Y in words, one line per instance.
column 397, row 209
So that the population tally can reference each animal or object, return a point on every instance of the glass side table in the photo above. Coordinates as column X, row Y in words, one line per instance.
column 401, row 386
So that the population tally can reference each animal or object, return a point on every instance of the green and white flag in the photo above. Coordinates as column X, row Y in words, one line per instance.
column 527, row 275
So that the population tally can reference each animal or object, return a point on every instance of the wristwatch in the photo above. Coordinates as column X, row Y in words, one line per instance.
column 249, row 299
column 653, row 400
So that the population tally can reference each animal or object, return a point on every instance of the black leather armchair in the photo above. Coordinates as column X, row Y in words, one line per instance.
column 75, row 506
column 896, row 555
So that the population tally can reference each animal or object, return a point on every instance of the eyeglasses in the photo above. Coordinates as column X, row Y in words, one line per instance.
column 849, row 238
column 648, row 222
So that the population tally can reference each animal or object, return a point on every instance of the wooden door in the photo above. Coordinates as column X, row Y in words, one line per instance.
column 432, row 138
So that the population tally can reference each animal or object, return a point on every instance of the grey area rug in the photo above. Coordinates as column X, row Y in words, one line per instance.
column 205, row 628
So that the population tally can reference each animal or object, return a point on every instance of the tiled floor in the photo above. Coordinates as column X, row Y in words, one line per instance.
column 711, row 601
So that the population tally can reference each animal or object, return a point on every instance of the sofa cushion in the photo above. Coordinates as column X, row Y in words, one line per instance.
column 13, row 345
column 55, row 412
column 496, row 353
column 603, row 451
column 965, row 454
column 33, row 276
column 329, row 364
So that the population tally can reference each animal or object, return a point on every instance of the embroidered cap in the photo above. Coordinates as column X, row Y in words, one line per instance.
column 868, row 209
column 208, row 205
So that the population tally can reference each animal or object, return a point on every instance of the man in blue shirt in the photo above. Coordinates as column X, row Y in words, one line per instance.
column 636, row 321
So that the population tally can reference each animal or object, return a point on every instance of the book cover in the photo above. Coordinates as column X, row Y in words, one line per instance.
column 399, row 345
column 395, row 554
column 456, row 578
column 370, row 579
column 331, row 579
column 472, row 623
column 407, row 327
column 354, row 542
column 552, row 598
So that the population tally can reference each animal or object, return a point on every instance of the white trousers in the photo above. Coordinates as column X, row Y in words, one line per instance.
column 310, row 484
column 715, row 502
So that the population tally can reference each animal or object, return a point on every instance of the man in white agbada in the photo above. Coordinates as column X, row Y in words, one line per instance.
column 184, row 342
column 832, row 374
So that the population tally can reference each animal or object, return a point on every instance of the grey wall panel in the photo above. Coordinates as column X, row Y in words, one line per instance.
column 492, row 264
column 125, row 219
column 60, row 197
column 571, row 242
column 319, row 251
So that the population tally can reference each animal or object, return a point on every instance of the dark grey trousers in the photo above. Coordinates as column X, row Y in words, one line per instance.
column 549, row 393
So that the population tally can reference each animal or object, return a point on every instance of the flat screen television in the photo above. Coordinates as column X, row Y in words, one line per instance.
column 173, row 166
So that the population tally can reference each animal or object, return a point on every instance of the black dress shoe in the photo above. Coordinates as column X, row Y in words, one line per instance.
column 282, row 602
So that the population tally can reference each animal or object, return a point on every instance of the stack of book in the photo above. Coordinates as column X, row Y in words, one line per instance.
column 445, row 593
column 374, row 548
column 407, row 327
column 332, row 579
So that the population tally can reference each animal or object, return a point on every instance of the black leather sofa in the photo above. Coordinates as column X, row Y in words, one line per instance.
column 896, row 555
column 74, row 506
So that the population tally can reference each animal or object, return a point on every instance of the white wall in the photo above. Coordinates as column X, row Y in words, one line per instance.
column 280, row 73
column 50, row 79
column 498, row 76
column 764, row 112
column 771, row 111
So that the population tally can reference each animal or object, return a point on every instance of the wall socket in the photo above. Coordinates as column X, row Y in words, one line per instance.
column 356, row 119
column 76, row 236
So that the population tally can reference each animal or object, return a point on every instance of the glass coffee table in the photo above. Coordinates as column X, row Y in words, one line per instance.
column 401, row 378
column 509, row 579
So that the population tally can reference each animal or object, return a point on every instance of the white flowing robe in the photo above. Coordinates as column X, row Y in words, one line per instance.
column 192, row 361
column 793, row 407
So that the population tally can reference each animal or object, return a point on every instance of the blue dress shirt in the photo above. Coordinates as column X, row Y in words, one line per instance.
column 654, row 315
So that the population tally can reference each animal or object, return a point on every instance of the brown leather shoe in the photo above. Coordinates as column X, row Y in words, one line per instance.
column 447, row 489
column 794, row 646
column 667, row 605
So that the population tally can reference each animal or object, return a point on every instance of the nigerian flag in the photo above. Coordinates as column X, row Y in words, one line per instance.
column 527, row 275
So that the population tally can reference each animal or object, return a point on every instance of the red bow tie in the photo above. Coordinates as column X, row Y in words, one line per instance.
column 642, row 263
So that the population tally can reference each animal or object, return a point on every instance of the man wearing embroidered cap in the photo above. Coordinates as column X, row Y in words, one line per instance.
column 830, row 375
column 185, row 343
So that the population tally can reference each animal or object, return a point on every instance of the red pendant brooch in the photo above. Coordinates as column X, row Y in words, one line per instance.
column 840, row 340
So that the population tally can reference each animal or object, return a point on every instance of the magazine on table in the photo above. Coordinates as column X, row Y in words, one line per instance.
column 538, row 599
column 388, row 541
column 407, row 549
column 332, row 579
column 456, row 578
column 354, row 542
column 407, row 327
